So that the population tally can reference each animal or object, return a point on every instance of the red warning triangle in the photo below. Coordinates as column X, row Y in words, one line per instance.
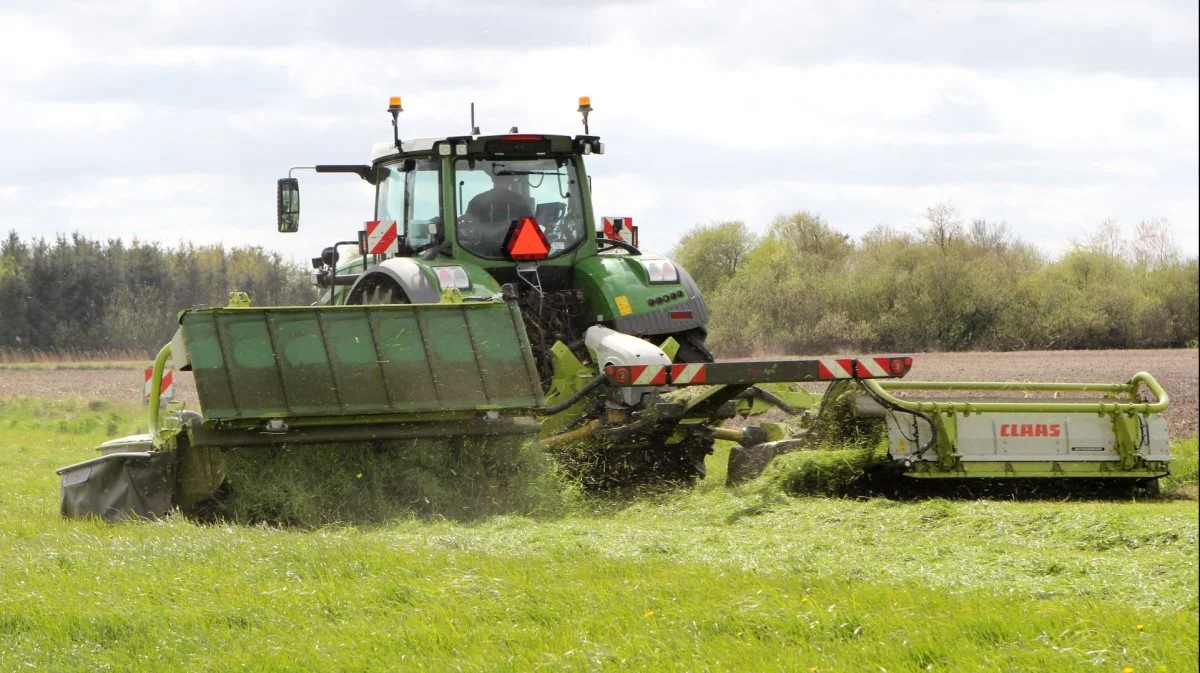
column 526, row 242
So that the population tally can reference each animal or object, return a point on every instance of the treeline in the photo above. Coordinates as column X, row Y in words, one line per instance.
column 804, row 287
column 801, row 287
column 78, row 295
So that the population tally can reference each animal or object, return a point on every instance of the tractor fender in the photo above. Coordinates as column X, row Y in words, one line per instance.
column 660, row 322
column 406, row 273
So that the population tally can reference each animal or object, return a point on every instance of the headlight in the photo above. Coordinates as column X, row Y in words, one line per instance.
column 660, row 271
column 453, row 277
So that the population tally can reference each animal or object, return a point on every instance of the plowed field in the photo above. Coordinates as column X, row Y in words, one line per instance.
column 1176, row 370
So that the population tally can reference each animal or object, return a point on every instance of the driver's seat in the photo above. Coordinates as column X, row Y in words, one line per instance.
column 498, row 207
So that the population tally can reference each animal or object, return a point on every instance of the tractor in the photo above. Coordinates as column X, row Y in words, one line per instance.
column 484, row 299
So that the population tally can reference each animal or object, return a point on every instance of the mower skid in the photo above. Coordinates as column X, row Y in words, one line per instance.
column 117, row 485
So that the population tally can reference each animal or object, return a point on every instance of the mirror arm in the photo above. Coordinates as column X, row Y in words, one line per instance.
column 361, row 171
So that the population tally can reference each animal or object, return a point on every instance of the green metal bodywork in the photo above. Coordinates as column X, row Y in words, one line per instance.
column 604, row 278
column 303, row 375
column 358, row 364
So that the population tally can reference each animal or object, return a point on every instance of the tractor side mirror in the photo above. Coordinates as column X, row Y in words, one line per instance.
column 287, row 205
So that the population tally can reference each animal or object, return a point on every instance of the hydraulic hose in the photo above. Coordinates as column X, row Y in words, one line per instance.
column 888, row 404
column 772, row 398
column 588, row 387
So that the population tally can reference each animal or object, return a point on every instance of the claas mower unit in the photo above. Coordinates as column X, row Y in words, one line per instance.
column 484, row 302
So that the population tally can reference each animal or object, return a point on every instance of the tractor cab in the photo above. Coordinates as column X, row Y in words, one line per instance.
column 479, row 217
column 469, row 197
column 493, row 202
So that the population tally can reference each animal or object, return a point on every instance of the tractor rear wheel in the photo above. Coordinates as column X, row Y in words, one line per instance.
column 383, row 291
column 692, row 348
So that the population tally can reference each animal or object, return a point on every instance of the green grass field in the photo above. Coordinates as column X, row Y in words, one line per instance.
column 705, row 579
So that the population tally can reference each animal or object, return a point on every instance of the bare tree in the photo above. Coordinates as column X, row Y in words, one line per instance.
column 1107, row 240
column 885, row 234
column 991, row 236
column 1153, row 243
column 943, row 225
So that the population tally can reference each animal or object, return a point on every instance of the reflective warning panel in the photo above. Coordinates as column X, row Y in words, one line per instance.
column 166, row 387
column 620, row 229
column 382, row 237
column 526, row 242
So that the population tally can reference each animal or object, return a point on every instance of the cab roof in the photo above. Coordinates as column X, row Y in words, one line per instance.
column 386, row 148
column 487, row 144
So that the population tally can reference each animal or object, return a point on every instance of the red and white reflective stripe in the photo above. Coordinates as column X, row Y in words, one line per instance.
column 166, row 389
column 382, row 237
column 848, row 368
column 618, row 228
column 831, row 368
column 689, row 373
column 649, row 375
column 869, row 368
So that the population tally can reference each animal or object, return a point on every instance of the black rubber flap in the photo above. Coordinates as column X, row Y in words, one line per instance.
column 118, row 486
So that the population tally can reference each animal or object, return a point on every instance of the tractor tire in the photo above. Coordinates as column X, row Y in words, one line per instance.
column 382, row 292
column 692, row 348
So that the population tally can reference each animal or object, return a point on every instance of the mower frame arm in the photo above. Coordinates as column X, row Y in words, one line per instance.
column 155, row 403
column 1162, row 400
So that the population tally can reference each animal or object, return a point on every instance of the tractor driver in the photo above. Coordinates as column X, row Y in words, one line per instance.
column 490, row 213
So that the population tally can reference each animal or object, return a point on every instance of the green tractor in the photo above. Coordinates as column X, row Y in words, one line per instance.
column 484, row 300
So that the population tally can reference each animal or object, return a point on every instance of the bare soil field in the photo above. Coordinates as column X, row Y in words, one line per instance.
column 1175, row 369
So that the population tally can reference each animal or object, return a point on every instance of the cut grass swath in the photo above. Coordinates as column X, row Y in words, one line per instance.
column 359, row 482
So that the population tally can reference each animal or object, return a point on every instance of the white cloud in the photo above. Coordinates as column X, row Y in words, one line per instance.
column 170, row 120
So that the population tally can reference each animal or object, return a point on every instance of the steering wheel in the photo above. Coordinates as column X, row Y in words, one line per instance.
column 469, row 231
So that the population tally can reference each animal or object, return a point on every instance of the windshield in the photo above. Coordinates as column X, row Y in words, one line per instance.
column 493, row 193
column 411, row 194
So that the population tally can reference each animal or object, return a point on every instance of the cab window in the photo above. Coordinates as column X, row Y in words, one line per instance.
column 492, row 193
column 411, row 194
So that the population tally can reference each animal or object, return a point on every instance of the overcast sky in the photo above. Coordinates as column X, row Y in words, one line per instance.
column 171, row 120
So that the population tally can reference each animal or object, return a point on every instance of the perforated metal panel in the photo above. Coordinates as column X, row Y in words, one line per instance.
column 359, row 360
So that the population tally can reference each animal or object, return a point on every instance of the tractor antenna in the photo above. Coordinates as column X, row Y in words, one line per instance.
column 585, row 106
column 474, row 128
column 395, row 109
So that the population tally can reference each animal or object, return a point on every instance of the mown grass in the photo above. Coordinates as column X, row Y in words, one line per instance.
column 703, row 579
